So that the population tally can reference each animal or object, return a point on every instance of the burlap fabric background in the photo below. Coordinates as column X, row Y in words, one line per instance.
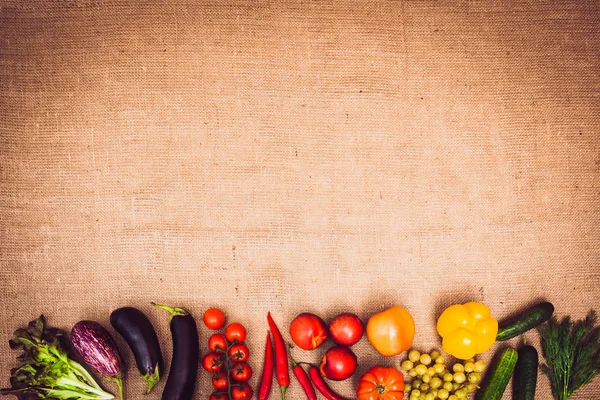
column 297, row 156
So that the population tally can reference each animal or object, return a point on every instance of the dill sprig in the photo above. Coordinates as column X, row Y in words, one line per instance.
column 572, row 353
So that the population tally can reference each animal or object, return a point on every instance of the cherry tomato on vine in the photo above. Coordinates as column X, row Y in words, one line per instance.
column 238, row 352
column 214, row 318
column 241, row 372
column 219, row 380
column 241, row 391
column 218, row 396
column 212, row 362
column 217, row 343
column 235, row 331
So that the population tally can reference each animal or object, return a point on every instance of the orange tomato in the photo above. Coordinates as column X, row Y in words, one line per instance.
column 391, row 331
column 381, row 383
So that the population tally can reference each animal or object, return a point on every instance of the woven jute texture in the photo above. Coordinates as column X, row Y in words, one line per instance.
column 297, row 156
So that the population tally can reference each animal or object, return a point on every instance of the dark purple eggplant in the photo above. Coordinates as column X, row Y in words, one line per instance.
column 99, row 351
column 186, row 355
column 141, row 337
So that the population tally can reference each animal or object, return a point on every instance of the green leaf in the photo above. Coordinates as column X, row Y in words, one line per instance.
column 46, row 372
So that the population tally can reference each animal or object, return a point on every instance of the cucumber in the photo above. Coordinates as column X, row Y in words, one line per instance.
column 526, row 373
column 496, row 379
column 528, row 319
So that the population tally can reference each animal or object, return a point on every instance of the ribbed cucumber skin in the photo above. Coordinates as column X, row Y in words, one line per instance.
column 496, row 379
column 530, row 318
column 526, row 373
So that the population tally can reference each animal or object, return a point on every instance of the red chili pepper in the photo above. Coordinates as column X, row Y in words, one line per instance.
column 266, row 379
column 281, row 357
column 304, row 381
column 322, row 386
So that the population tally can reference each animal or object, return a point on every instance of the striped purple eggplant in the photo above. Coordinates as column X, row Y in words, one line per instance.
column 97, row 348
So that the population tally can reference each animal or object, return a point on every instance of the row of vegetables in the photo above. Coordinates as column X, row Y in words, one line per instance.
column 571, row 351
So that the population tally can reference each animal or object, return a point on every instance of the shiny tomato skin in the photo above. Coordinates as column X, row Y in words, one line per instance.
column 218, row 396
column 381, row 383
column 212, row 362
column 238, row 352
column 346, row 329
column 308, row 331
column 217, row 343
column 235, row 331
column 219, row 380
column 214, row 318
column 338, row 364
column 241, row 372
column 241, row 393
column 391, row 331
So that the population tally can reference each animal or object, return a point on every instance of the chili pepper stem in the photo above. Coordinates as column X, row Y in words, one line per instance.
column 283, row 388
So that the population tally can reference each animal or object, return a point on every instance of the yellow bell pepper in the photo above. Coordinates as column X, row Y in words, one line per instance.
column 467, row 329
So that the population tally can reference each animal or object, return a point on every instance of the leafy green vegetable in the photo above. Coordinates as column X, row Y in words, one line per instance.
column 572, row 352
column 46, row 371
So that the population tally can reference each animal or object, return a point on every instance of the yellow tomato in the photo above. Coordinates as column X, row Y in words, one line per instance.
column 391, row 331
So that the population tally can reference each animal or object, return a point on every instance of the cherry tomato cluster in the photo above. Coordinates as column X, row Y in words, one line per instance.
column 227, row 359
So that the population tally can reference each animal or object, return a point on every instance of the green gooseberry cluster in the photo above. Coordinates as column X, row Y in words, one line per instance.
column 432, row 380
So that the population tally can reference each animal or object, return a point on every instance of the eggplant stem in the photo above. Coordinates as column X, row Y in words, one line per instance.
column 120, row 386
column 175, row 311
column 152, row 379
column 118, row 379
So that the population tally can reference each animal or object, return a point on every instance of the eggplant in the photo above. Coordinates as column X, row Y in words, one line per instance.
column 186, row 355
column 138, row 332
column 99, row 351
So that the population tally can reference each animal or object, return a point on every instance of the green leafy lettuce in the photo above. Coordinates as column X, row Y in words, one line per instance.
column 46, row 371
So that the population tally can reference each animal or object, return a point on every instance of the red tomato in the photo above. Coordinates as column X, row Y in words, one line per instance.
column 235, row 331
column 346, row 329
column 218, row 396
column 241, row 392
column 214, row 318
column 219, row 380
column 238, row 352
column 241, row 372
column 217, row 343
column 212, row 362
column 381, row 383
column 308, row 331
column 338, row 363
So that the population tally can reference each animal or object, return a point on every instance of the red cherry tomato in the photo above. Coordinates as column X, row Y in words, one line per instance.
column 241, row 372
column 338, row 363
column 217, row 343
column 212, row 362
column 214, row 318
column 219, row 380
column 235, row 331
column 346, row 329
column 308, row 331
column 218, row 396
column 238, row 352
column 241, row 391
